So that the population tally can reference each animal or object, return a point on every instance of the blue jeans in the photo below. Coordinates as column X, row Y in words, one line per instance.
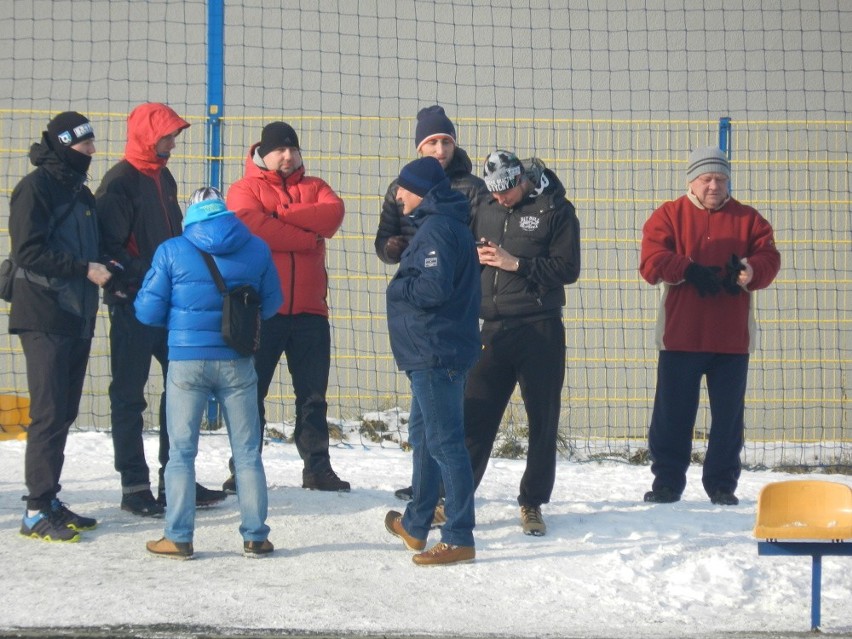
column 234, row 384
column 436, row 435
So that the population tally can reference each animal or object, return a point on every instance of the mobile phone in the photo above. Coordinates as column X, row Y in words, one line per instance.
column 481, row 243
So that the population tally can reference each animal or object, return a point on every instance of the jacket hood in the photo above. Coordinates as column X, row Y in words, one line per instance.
column 546, row 186
column 442, row 200
column 146, row 125
column 220, row 234
column 205, row 210
column 460, row 164
column 42, row 155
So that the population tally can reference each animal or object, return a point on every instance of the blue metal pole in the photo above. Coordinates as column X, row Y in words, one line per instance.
column 816, row 588
column 215, row 111
column 215, row 88
column 725, row 141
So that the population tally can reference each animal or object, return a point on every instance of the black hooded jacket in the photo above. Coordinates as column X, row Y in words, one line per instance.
column 393, row 222
column 543, row 232
column 52, row 293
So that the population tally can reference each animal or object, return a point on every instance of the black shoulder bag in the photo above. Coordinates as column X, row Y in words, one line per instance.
column 240, row 312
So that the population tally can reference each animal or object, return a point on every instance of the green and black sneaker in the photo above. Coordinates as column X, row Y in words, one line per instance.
column 72, row 519
column 48, row 526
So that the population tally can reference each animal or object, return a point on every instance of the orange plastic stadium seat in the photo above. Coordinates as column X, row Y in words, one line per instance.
column 804, row 509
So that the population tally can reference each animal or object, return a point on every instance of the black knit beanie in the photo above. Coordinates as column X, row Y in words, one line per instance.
column 66, row 130
column 275, row 135
column 433, row 122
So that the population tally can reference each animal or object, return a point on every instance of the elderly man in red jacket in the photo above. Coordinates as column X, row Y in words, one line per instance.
column 710, row 253
column 294, row 214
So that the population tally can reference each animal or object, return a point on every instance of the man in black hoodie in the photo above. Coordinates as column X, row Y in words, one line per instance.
column 54, row 235
column 529, row 248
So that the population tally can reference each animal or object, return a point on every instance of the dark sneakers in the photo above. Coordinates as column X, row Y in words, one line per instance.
column 48, row 525
column 207, row 497
column 204, row 497
column 71, row 519
column 723, row 498
column 324, row 480
column 662, row 495
column 405, row 494
column 258, row 549
column 229, row 486
column 142, row 503
column 172, row 549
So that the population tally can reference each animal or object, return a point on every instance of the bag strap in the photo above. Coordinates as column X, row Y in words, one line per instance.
column 214, row 271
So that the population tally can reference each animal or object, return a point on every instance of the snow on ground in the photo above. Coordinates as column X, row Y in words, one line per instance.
column 610, row 565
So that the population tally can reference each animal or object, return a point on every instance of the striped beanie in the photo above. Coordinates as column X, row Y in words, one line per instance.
column 707, row 159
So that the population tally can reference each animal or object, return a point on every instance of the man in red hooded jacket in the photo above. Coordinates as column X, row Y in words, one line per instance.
column 138, row 210
column 294, row 214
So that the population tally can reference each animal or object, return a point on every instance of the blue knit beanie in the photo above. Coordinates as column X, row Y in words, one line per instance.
column 205, row 204
column 422, row 175
column 432, row 122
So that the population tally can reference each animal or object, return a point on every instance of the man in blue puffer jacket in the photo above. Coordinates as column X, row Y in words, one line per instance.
column 433, row 308
column 180, row 294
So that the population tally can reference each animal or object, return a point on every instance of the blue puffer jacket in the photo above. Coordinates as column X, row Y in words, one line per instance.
column 180, row 294
column 433, row 300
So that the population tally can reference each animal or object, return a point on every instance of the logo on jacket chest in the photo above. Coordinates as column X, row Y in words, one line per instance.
column 529, row 223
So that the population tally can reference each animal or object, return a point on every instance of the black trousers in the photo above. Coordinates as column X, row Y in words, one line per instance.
column 132, row 345
column 673, row 419
column 56, row 369
column 305, row 340
column 533, row 356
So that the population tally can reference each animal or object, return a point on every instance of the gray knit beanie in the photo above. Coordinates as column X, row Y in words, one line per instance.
column 707, row 159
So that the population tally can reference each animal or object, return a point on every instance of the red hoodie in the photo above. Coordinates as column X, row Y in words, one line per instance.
column 679, row 233
column 294, row 216
column 147, row 124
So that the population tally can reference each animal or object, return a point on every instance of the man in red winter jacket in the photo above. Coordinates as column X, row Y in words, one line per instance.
column 710, row 253
column 138, row 210
column 294, row 214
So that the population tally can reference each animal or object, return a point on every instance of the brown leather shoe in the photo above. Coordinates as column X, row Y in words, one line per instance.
column 393, row 524
column 171, row 549
column 257, row 549
column 442, row 554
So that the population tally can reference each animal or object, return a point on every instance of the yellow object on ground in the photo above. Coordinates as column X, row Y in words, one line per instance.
column 14, row 416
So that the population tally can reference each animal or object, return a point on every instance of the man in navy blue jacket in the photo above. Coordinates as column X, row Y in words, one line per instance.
column 179, row 293
column 433, row 308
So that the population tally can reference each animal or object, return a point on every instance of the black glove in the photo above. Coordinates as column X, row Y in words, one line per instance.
column 704, row 278
column 395, row 245
column 117, row 284
column 733, row 268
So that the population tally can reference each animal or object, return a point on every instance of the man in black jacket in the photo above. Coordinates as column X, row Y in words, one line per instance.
column 435, row 136
column 54, row 236
column 138, row 210
column 529, row 248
